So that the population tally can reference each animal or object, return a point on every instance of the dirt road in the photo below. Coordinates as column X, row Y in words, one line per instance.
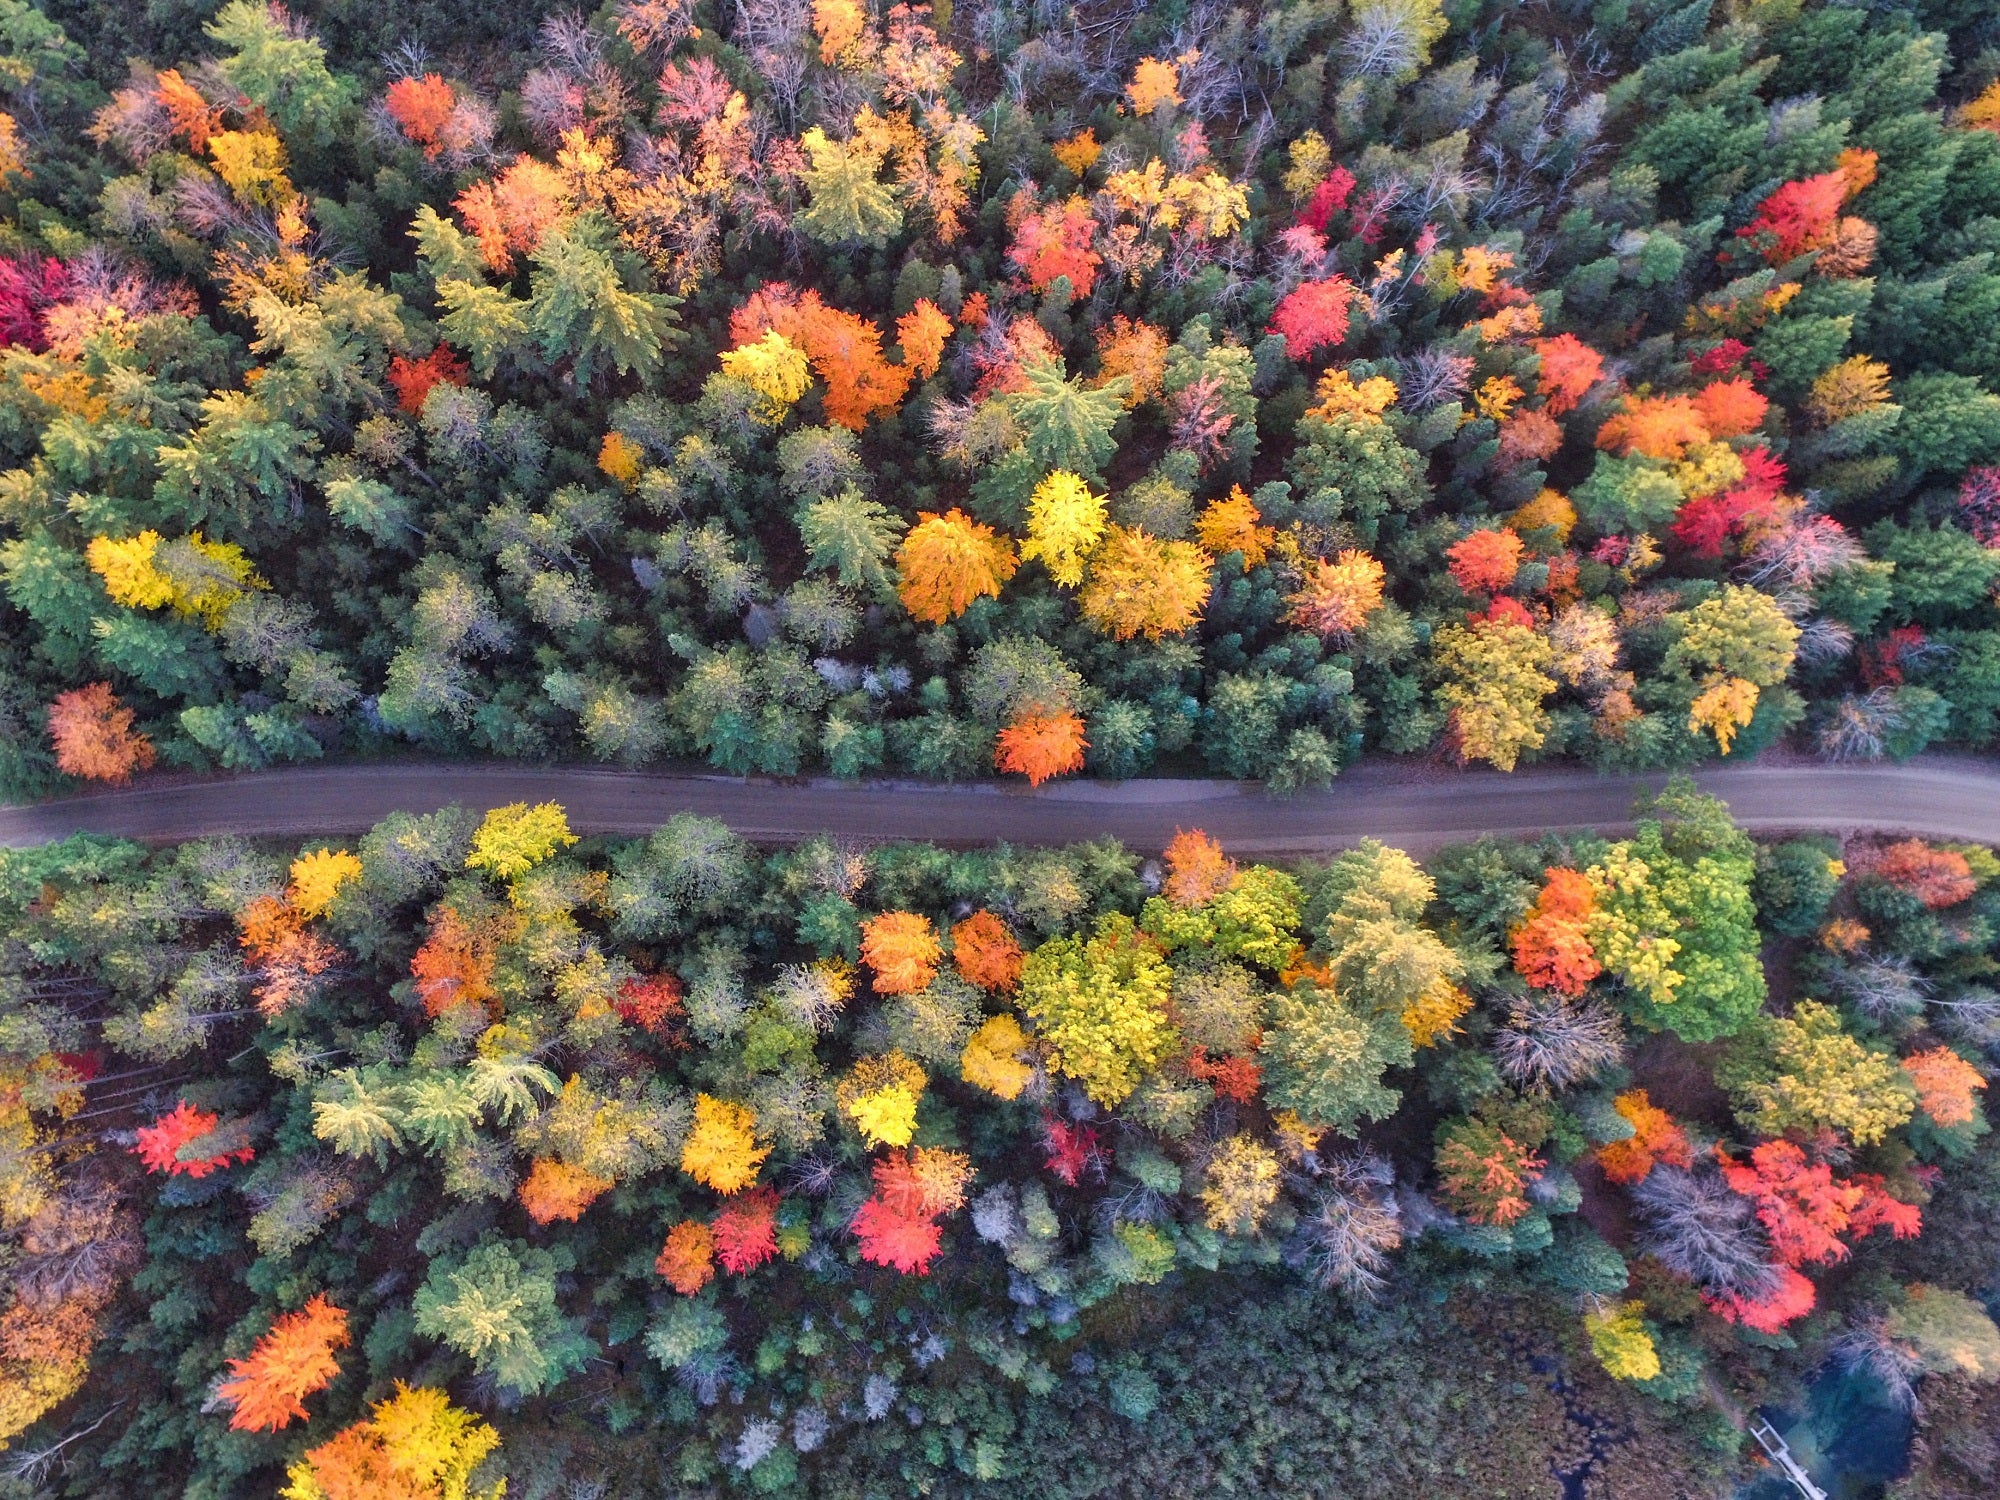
column 1935, row 796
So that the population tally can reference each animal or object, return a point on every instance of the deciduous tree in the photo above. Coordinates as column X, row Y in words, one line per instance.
column 94, row 738
column 267, row 1388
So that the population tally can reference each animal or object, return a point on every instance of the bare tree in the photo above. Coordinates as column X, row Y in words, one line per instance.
column 1694, row 1224
column 1551, row 1042
column 1344, row 1237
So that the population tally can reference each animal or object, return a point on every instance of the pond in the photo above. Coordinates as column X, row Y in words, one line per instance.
column 1851, row 1438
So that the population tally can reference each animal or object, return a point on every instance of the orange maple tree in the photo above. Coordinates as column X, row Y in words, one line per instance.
column 1197, row 869
column 1552, row 947
column 421, row 108
column 923, row 1181
column 985, row 952
column 1335, row 598
column 1654, row 427
column 1730, row 408
column 188, row 113
column 687, row 1260
column 1946, row 1084
column 556, row 1190
column 455, row 964
column 902, row 950
column 1484, row 1172
column 1485, row 561
column 1936, row 877
column 1570, row 367
column 509, row 214
column 922, row 332
column 1041, row 745
column 1655, row 1138
column 93, row 735
column 1235, row 1076
column 845, row 350
column 947, row 561
column 267, row 1389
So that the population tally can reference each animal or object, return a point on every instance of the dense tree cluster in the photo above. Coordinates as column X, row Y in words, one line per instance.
column 731, row 1155
column 818, row 386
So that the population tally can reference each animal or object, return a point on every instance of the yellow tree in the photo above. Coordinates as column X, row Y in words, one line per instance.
column 512, row 840
column 1495, row 680
column 1065, row 521
column 317, row 879
column 1140, row 585
column 722, row 1150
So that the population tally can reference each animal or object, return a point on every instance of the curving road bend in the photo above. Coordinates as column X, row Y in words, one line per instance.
column 1932, row 796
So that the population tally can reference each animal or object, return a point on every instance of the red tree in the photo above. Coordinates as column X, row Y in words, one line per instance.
column 160, row 1145
column 904, row 1242
column 413, row 378
column 746, row 1231
column 1313, row 316
column 652, row 1002
column 1073, row 1150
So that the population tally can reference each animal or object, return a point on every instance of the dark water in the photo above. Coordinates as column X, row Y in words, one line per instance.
column 1851, row 1438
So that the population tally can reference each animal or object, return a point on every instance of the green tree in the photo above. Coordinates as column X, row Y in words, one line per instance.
column 581, row 310
column 852, row 537
column 497, row 1306
column 1064, row 423
column 1100, row 1003
column 849, row 206
column 1325, row 1058
column 281, row 69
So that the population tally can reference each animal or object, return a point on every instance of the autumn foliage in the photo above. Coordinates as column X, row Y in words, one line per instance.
column 947, row 561
column 1655, row 1139
column 652, row 1002
column 1552, row 945
column 422, row 109
column 1335, row 598
column 454, row 966
column 985, row 952
column 267, row 1389
column 1313, row 316
column 902, row 950
column 1569, row 369
column 1485, row 1173
column 745, row 1231
column 1041, row 745
column 687, row 1260
column 1485, row 561
column 163, row 1145
column 556, row 1190
column 1936, row 877
column 845, row 350
column 413, row 378
column 94, row 738
column 1946, row 1086
column 1197, row 869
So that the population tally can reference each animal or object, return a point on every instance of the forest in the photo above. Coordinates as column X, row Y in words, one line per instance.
column 474, row 1157
column 1001, row 388
column 832, row 388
